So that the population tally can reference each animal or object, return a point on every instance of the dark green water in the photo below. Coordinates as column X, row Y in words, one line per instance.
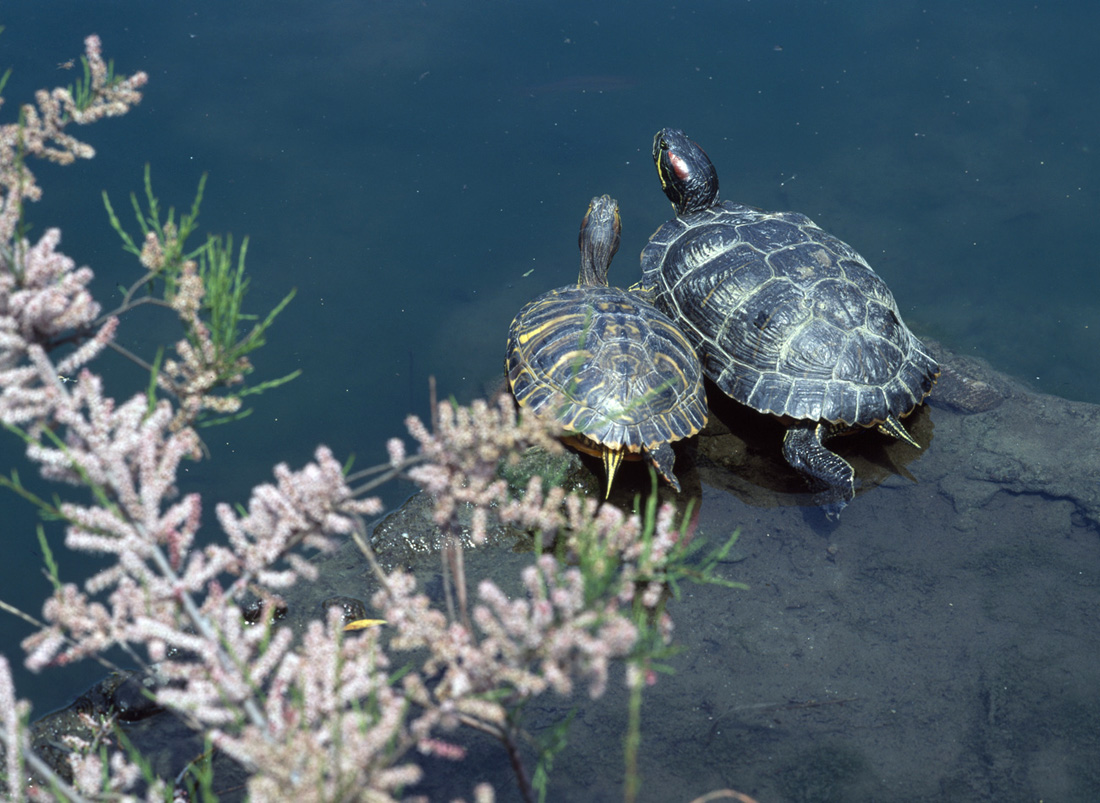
column 418, row 170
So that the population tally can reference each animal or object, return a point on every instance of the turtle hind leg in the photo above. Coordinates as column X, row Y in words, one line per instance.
column 804, row 449
column 663, row 459
column 894, row 428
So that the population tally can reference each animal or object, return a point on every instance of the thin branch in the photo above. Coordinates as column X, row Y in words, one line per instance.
column 125, row 352
column 522, row 780
column 453, row 558
column 106, row 663
column 204, row 629
column 359, row 536
column 724, row 794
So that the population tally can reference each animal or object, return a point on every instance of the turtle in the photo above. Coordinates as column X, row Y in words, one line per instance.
column 787, row 319
column 613, row 370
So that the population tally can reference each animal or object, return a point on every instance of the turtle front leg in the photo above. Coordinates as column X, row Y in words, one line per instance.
column 804, row 449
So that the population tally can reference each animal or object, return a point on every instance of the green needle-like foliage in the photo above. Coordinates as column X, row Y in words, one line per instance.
column 220, row 332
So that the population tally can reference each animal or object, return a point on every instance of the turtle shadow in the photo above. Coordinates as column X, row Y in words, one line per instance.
column 740, row 451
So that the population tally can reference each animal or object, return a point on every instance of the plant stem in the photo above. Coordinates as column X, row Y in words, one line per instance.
column 633, row 738
column 522, row 781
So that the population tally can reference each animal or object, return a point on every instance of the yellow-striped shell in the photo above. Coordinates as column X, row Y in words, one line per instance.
column 609, row 366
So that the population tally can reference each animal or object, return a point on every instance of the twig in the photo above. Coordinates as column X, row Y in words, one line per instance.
column 359, row 537
column 433, row 403
column 388, row 472
column 448, row 539
column 128, row 302
column 453, row 555
column 204, row 629
column 517, row 767
column 106, row 663
column 505, row 738
column 727, row 794
column 125, row 352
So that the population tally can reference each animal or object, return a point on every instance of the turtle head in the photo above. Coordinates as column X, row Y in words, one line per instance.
column 599, row 239
column 687, row 175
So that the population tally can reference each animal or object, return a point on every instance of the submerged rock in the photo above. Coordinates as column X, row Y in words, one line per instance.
column 958, row 589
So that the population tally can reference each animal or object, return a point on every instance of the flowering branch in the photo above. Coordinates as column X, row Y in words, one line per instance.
column 317, row 717
column 41, row 130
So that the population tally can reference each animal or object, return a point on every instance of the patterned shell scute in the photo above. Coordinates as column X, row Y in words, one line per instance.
column 608, row 365
column 787, row 318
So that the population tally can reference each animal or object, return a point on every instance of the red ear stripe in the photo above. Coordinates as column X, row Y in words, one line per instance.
column 679, row 165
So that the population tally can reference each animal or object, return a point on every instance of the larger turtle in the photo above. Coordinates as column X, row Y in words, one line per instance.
column 786, row 318
column 606, row 364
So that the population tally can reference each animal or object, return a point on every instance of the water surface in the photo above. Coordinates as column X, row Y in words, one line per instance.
column 419, row 170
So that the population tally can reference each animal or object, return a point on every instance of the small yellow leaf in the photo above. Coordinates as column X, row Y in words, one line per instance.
column 363, row 624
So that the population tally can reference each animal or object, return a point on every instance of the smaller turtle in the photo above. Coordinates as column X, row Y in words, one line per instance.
column 610, row 367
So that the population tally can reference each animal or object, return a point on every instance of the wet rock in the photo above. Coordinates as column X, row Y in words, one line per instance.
column 126, row 695
column 967, row 549
column 351, row 609
column 1030, row 444
column 409, row 534
column 966, row 385
column 134, row 698
column 740, row 451
column 252, row 611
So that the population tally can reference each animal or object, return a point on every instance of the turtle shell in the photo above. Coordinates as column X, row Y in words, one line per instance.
column 607, row 365
column 786, row 318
